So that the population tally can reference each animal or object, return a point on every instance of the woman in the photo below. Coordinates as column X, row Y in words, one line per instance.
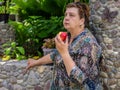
column 76, row 59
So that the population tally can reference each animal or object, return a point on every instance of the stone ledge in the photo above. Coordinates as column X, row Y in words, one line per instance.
column 13, row 78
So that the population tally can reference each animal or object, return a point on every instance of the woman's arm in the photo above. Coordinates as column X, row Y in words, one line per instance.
column 72, row 69
column 44, row 60
column 86, row 67
column 68, row 62
column 62, row 48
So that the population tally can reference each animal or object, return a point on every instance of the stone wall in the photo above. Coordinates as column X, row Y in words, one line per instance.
column 6, row 34
column 12, row 76
column 105, row 24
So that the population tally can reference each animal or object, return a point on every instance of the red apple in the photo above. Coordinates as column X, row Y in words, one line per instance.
column 63, row 35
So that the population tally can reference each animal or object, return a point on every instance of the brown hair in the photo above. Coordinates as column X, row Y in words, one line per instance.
column 83, row 10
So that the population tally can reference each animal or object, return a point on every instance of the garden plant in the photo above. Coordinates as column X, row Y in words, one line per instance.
column 39, row 20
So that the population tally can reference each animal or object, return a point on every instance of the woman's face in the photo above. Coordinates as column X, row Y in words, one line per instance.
column 72, row 19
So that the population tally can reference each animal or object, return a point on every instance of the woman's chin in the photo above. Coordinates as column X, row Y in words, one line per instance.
column 67, row 27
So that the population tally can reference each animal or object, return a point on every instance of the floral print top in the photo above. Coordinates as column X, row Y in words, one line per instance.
column 85, row 52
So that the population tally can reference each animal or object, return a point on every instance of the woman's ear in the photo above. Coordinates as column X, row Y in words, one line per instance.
column 82, row 20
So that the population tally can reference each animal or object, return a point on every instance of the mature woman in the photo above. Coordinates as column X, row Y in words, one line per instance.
column 76, row 59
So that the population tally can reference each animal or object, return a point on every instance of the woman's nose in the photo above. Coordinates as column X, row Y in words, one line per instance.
column 66, row 18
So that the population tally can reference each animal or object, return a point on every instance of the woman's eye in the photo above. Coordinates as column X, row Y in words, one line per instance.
column 72, row 15
column 65, row 14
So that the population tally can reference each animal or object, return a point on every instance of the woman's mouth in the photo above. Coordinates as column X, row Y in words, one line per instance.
column 66, row 23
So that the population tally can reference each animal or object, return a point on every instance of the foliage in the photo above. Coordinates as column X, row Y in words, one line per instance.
column 4, row 6
column 24, row 7
column 11, row 49
column 54, row 7
column 13, row 9
column 31, row 32
column 49, row 43
column 85, row 1
column 46, row 8
column 26, row 37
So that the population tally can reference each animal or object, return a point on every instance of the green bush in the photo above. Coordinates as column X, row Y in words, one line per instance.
column 32, row 31
column 46, row 8
column 15, row 52
column 47, row 22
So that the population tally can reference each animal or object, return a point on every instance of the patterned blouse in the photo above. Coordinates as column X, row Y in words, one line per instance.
column 85, row 52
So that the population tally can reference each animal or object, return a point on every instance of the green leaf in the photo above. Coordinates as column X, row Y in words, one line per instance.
column 13, row 44
column 39, row 53
column 21, row 50
column 43, row 34
column 7, row 51
column 18, row 57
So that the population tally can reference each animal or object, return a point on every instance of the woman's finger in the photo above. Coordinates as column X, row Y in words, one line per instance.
column 26, row 69
column 66, row 41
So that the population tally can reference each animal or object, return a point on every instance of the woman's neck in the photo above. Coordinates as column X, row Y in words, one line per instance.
column 75, row 32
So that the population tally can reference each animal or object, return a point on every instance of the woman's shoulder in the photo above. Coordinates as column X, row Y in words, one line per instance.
column 90, row 37
column 86, row 38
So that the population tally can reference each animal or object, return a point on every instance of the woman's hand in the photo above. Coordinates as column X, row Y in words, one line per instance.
column 30, row 63
column 61, row 46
